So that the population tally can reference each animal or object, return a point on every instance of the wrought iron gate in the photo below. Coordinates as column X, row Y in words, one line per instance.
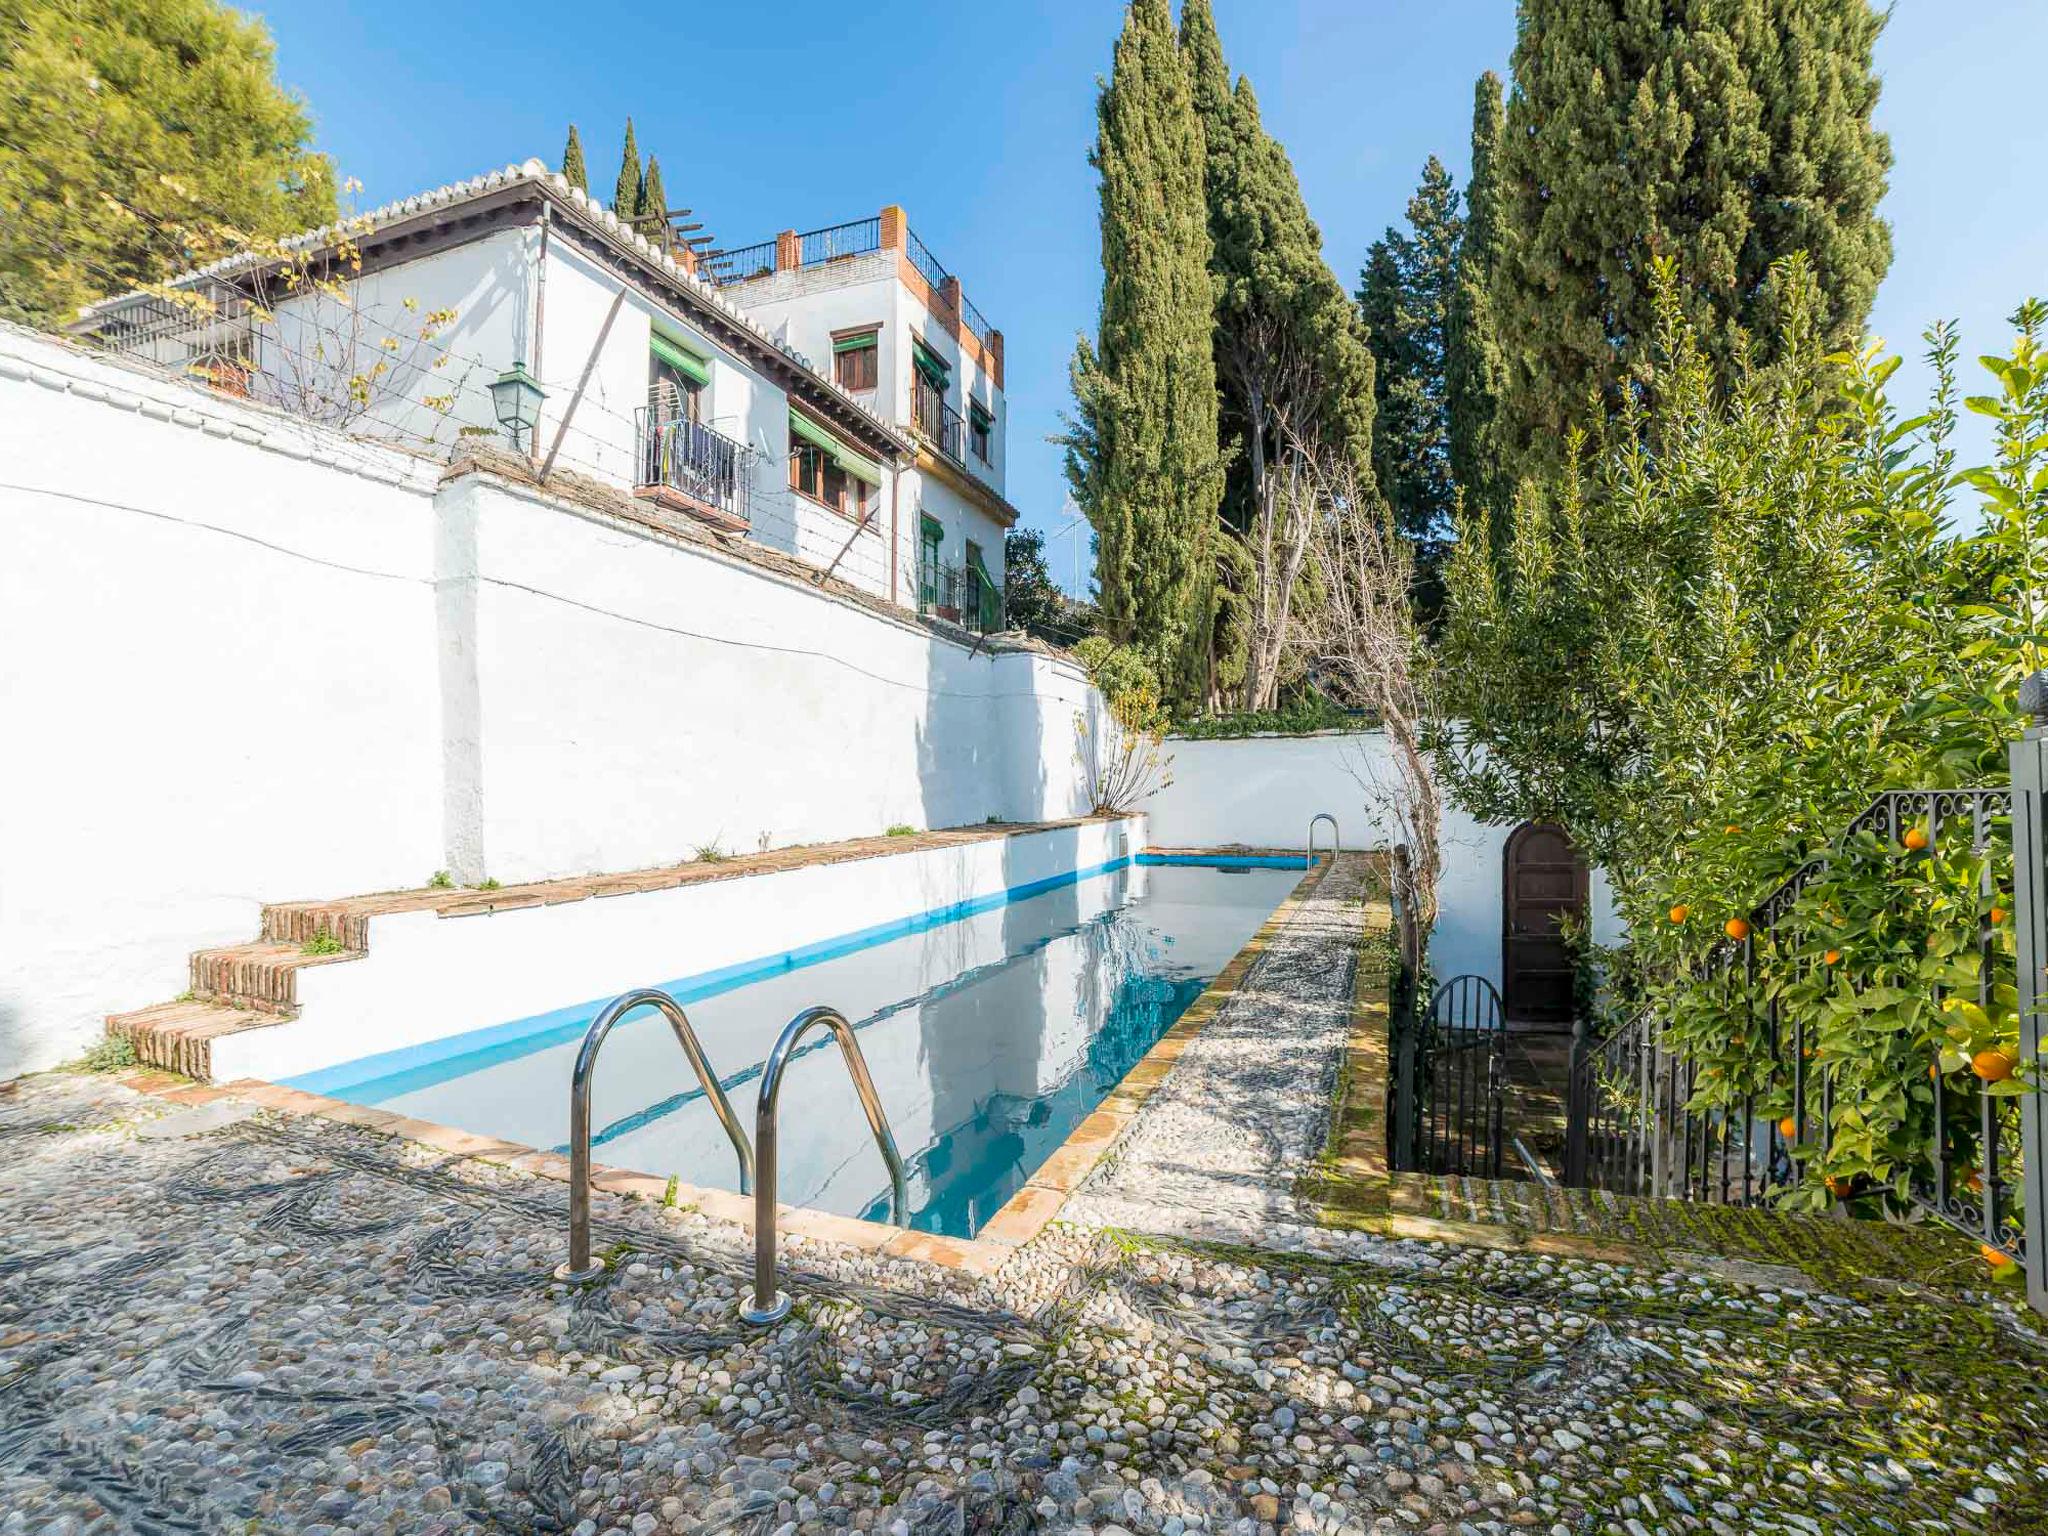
column 1450, row 1082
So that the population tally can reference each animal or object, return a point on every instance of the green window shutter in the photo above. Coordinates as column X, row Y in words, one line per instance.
column 861, row 469
column 983, row 416
column 932, row 366
column 688, row 364
column 855, row 343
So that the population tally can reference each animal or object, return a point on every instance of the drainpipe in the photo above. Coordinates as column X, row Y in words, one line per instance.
column 540, row 309
column 895, row 476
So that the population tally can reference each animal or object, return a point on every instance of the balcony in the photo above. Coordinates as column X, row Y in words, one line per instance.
column 959, row 596
column 686, row 467
column 937, row 422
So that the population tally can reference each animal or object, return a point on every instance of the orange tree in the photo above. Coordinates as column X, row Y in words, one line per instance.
column 1708, row 644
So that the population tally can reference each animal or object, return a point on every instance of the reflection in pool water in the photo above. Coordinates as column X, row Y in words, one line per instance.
column 990, row 1037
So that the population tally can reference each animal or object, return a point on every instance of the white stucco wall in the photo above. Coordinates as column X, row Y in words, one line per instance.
column 246, row 661
column 1262, row 790
column 636, row 699
column 216, row 676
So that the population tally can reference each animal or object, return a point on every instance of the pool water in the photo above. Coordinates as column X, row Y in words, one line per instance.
column 990, row 1036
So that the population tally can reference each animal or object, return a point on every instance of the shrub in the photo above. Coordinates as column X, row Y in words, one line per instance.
column 1704, row 651
column 900, row 829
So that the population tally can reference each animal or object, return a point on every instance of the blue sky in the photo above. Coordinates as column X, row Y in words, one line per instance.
column 978, row 119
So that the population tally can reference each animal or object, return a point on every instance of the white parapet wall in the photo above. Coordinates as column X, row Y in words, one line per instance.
column 429, row 984
column 244, row 660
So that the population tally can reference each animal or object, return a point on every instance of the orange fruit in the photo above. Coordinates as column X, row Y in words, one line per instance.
column 1934, row 1069
column 1789, row 1128
column 1839, row 1187
column 1997, row 1258
column 1974, row 1183
column 1736, row 928
column 1993, row 1066
column 1832, row 957
column 1680, row 912
column 1998, row 914
column 1731, row 829
column 1915, row 838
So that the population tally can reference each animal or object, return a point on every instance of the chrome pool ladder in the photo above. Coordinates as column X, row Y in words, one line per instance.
column 1336, row 837
column 770, row 1305
column 581, row 1265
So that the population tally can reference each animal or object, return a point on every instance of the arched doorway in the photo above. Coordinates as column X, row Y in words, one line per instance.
column 1545, row 882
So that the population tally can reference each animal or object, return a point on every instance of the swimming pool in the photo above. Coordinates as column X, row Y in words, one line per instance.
column 991, row 1032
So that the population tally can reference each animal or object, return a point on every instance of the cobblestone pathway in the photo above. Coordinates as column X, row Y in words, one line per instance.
column 226, row 1321
column 1220, row 1144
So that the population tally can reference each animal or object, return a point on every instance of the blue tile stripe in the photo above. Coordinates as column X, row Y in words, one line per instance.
column 388, row 1074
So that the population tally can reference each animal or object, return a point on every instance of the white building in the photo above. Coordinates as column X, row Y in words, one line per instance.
column 687, row 379
column 904, row 340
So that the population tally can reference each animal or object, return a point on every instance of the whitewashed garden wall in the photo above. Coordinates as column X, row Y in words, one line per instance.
column 242, row 660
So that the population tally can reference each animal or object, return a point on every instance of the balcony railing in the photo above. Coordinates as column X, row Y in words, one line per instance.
column 835, row 243
column 737, row 266
column 937, row 422
column 958, row 596
column 707, row 467
column 840, row 241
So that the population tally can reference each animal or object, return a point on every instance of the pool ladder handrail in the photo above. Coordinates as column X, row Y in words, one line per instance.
column 1336, row 837
column 771, row 1305
column 581, row 1265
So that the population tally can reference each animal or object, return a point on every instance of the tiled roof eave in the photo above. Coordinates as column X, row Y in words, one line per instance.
column 651, row 269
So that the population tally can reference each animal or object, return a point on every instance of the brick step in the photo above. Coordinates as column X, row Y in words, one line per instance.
column 261, row 976
column 348, row 919
column 178, row 1037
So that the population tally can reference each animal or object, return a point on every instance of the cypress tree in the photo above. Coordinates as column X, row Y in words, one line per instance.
column 653, row 205
column 1287, row 340
column 626, row 194
column 1723, row 144
column 1405, row 295
column 1472, row 356
column 572, row 162
column 1141, row 452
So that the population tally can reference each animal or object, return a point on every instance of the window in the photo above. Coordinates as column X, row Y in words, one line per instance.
column 854, row 361
column 827, row 473
column 675, row 382
column 930, row 536
column 807, row 466
column 981, row 426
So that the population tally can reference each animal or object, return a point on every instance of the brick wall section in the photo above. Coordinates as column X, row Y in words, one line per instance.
column 250, row 986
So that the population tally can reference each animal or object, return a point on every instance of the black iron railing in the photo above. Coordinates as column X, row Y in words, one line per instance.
column 740, row 265
column 1448, row 1114
column 936, row 421
column 958, row 595
column 706, row 466
column 839, row 242
column 1634, row 1126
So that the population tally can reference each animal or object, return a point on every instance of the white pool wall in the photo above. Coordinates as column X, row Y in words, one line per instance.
column 425, row 978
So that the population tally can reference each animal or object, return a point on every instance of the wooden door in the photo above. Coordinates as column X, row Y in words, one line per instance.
column 1545, row 884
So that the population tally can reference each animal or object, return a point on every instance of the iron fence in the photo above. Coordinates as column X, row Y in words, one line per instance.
column 1450, row 1082
column 1633, row 1124
column 212, row 337
column 839, row 242
column 740, row 265
column 706, row 466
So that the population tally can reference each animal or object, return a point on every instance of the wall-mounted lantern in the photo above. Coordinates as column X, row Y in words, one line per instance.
column 517, row 399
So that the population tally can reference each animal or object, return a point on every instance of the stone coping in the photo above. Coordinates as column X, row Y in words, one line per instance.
column 1020, row 1219
column 469, row 902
